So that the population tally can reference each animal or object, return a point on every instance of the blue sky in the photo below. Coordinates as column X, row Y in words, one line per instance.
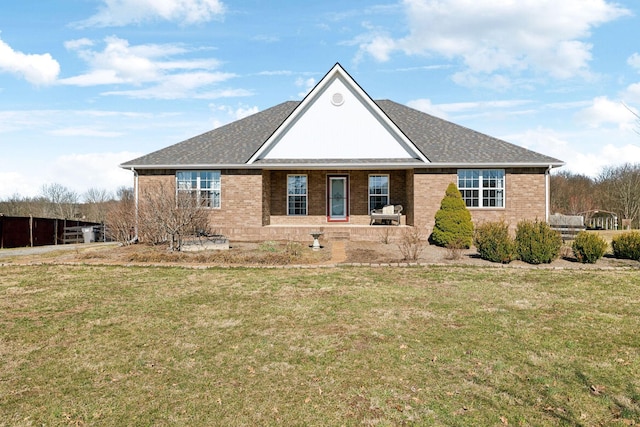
column 88, row 84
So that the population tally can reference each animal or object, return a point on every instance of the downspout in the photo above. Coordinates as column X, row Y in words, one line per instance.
column 547, row 185
column 135, row 198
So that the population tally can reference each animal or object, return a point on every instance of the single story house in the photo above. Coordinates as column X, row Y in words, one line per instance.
column 324, row 163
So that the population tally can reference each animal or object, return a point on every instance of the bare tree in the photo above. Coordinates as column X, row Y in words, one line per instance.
column 120, row 218
column 97, row 202
column 572, row 193
column 16, row 205
column 62, row 202
column 124, row 193
column 620, row 190
column 167, row 215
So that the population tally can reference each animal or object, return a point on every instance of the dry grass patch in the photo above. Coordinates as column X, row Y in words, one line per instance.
column 99, row 345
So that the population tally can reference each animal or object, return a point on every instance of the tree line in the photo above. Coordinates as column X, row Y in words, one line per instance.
column 57, row 201
column 615, row 189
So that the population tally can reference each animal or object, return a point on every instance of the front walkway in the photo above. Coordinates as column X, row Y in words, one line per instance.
column 338, row 252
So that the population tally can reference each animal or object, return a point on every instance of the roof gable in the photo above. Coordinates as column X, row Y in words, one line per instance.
column 337, row 120
column 313, row 133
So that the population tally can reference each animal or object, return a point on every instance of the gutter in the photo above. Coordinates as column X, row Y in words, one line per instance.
column 136, row 199
column 346, row 165
column 547, row 191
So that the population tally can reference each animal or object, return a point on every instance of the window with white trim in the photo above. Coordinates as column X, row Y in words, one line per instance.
column 296, row 194
column 204, row 185
column 482, row 188
column 378, row 191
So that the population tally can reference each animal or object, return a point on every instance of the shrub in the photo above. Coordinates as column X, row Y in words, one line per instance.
column 493, row 242
column 536, row 242
column 588, row 247
column 293, row 249
column 627, row 245
column 453, row 220
column 411, row 243
column 454, row 249
column 385, row 235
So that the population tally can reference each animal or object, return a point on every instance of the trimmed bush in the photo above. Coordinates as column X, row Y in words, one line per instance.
column 627, row 245
column 536, row 242
column 493, row 242
column 588, row 247
column 453, row 221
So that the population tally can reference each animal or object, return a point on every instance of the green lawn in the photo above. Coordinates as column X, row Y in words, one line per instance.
column 99, row 345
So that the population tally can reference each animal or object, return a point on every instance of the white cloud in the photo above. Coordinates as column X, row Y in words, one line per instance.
column 77, row 44
column 120, row 62
column 15, row 183
column 547, row 141
column 85, row 132
column 117, row 13
column 583, row 152
column 170, row 90
column 426, row 106
column 466, row 110
column 634, row 61
column 224, row 114
column 306, row 85
column 604, row 111
column 592, row 164
column 275, row 73
column 78, row 172
column 632, row 93
column 37, row 69
column 52, row 121
column 494, row 37
column 152, row 66
column 380, row 47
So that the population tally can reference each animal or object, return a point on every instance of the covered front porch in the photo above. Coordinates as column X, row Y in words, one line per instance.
column 334, row 198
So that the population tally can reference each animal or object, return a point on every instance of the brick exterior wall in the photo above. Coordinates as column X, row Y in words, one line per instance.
column 525, row 197
column 241, row 196
column 266, row 197
column 428, row 190
column 254, row 203
column 317, row 195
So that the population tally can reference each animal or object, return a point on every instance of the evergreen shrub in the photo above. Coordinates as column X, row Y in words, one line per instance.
column 627, row 245
column 536, row 242
column 493, row 242
column 588, row 247
column 453, row 221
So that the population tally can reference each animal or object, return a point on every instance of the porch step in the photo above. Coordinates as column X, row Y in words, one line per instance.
column 336, row 236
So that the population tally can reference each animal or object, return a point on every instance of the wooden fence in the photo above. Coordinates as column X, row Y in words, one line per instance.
column 21, row 231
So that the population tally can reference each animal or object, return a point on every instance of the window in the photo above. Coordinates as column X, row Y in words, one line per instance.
column 204, row 185
column 378, row 191
column 482, row 188
column 296, row 194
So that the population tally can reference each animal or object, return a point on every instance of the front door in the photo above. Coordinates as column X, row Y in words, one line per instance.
column 338, row 198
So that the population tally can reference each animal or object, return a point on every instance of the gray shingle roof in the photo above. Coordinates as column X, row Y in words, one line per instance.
column 231, row 144
column 445, row 142
column 442, row 142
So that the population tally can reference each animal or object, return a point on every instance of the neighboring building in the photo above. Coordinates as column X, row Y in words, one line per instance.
column 325, row 162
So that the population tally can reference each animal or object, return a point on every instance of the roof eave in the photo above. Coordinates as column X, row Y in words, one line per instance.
column 385, row 165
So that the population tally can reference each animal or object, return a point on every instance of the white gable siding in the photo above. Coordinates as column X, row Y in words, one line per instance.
column 348, row 131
